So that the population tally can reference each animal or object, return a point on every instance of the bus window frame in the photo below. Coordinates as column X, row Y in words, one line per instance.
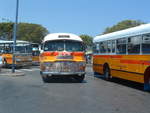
column 121, row 43
column 137, row 36
column 104, row 43
column 143, row 41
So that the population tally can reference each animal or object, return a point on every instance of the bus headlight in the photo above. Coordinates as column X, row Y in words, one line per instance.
column 47, row 66
column 81, row 65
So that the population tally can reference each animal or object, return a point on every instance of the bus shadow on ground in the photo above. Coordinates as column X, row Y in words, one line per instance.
column 63, row 79
column 19, row 67
column 123, row 82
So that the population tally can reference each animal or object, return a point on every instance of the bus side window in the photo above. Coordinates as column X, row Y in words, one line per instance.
column 96, row 48
column 109, row 46
column 134, row 45
column 103, row 47
column 146, row 44
column 113, row 46
column 121, row 46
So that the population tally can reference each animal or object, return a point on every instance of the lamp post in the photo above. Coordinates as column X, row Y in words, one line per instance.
column 14, row 35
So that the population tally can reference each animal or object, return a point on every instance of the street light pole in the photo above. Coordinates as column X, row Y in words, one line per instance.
column 14, row 35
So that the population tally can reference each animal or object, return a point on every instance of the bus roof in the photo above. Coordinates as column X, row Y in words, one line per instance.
column 62, row 36
column 139, row 30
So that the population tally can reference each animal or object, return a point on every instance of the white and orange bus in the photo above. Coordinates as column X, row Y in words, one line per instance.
column 62, row 54
column 23, row 53
column 124, row 54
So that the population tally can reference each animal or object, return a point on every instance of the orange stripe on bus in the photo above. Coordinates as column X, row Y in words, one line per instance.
column 108, row 56
column 62, row 53
column 77, row 53
column 49, row 54
column 135, row 62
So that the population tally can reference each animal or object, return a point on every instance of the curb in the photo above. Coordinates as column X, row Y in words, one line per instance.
column 9, row 73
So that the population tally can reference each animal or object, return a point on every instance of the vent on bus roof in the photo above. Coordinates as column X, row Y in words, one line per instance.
column 63, row 36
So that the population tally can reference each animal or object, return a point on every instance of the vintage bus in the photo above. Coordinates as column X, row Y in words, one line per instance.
column 124, row 54
column 35, row 53
column 62, row 54
column 23, row 53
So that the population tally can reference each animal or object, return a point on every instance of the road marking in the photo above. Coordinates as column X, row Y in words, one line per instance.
column 30, row 69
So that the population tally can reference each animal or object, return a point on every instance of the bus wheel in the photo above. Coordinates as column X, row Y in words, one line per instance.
column 147, row 80
column 80, row 78
column 45, row 78
column 106, row 72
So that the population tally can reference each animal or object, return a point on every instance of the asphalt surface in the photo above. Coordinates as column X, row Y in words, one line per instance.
column 28, row 94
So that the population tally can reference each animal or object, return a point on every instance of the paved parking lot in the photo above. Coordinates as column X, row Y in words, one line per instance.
column 28, row 94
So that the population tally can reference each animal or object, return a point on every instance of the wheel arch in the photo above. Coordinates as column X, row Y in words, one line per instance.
column 147, row 75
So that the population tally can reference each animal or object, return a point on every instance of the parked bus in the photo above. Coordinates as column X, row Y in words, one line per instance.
column 124, row 54
column 35, row 53
column 23, row 53
column 63, row 54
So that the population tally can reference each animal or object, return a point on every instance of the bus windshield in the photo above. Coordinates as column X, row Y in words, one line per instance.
column 60, row 45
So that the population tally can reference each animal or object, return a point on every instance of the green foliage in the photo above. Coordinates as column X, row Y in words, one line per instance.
column 31, row 32
column 6, row 30
column 87, row 40
column 26, row 31
column 123, row 25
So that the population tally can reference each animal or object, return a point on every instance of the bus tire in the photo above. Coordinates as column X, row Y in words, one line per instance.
column 147, row 79
column 80, row 78
column 106, row 72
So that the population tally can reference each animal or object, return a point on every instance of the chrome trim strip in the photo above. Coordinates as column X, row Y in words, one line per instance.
column 63, row 73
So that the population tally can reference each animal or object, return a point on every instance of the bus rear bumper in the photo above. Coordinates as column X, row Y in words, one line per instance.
column 61, row 73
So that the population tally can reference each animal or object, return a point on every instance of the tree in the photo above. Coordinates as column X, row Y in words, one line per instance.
column 26, row 31
column 6, row 30
column 31, row 32
column 87, row 40
column 123, row 25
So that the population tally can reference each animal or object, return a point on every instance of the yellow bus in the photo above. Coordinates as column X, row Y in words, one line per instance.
column 62, row 54
column 124, row 54
column 23, row 53
column 35, row 53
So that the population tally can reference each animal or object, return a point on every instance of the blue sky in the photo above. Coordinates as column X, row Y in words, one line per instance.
column 89, row 17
